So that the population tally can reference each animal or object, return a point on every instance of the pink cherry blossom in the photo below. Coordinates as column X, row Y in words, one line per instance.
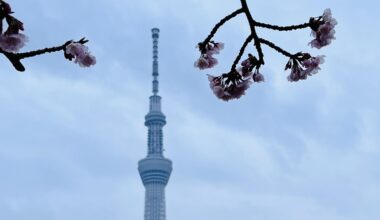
column 206, row 60
column 245, row 69
column 216, row 86
column 238, row 90
column 295, row 74
column 214, row 48
column 225, row 90
column 81, row 54
column 245, row 72
column 76, row 49
column 248, row 65
column 323, row 30
column 258, row 77
column 312, row 65
column 12, row 43
column 302, row 68
column 86, row 60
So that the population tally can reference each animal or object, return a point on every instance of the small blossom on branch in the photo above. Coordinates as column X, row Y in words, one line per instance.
column 12, row 42
column 229, row 85
column 302, row 66
column 206, row 60
column 211, row 48
column 257, row 76
column 323, row 29
column 81, row 54
column 233, row 85
column 248, row 65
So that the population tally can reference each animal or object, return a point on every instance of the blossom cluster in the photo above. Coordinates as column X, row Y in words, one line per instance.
column 81, row 54
column 302, row 66
column 229, row 86
column 206, row 60
column 248, row 65
column 233, row 85
column 323, row 29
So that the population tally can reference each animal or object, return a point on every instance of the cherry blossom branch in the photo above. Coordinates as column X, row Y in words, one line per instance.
column 232, row 85
column 219, row 24
column 12, row 40
column 49, row 49
column 241, row 52
column 15, row 58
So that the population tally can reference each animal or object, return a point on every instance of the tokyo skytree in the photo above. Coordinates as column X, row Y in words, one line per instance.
column 155, row 169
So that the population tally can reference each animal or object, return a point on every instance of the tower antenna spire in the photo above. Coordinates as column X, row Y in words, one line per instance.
column 155, row 36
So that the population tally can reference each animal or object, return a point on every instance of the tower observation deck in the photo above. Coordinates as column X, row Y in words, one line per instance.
column 155, row 169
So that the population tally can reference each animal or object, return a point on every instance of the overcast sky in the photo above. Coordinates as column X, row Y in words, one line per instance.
column 70, row 138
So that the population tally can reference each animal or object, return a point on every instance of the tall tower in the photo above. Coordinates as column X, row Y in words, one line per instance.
column 155, row 169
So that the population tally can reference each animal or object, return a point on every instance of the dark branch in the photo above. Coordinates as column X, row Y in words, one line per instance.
column 220, row 23
column 282, row 28
column 277, row 48
column 253, row 30
column 14, row 60
column 40, row 52
column 247, row 41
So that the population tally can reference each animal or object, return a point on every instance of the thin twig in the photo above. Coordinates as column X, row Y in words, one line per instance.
column 247, row 41
column 40, row 52
column 282, row 28
column 220, row 23
column 277, row 48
